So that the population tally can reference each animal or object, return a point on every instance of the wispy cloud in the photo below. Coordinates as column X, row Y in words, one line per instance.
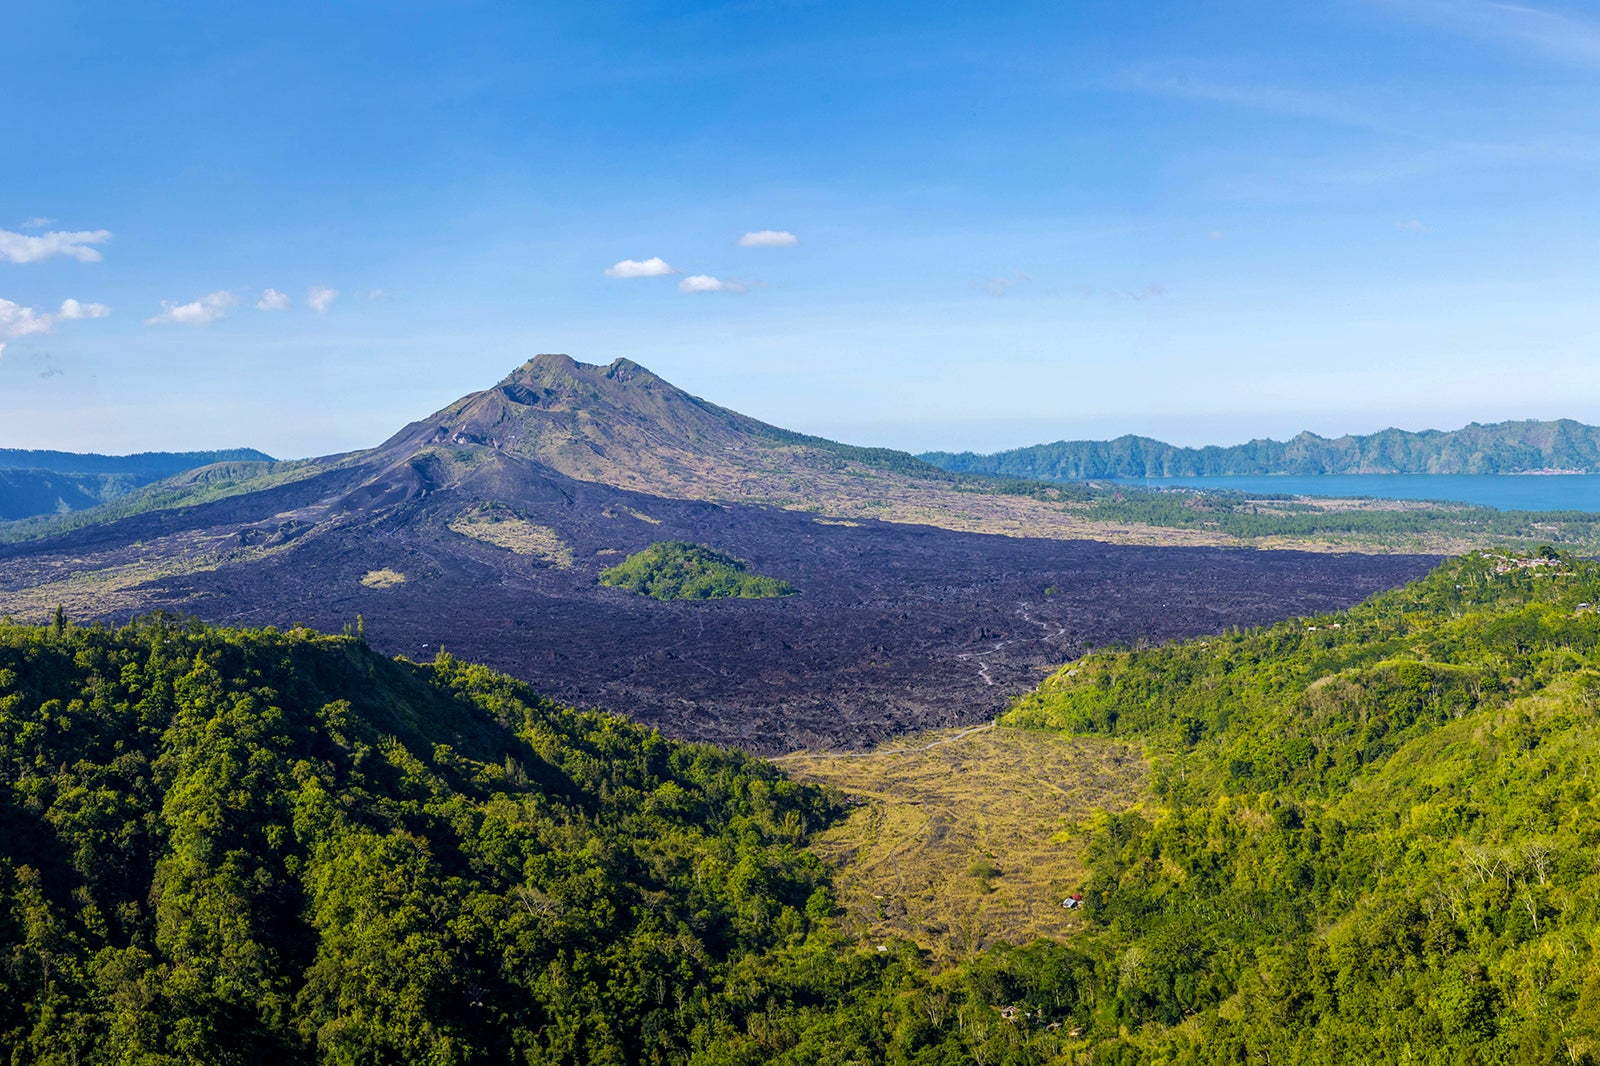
column 699, row 283
column 768, row 238
column 654, row 267
column 1363, row 110
column 999, row 286
column 208, row 308
column 319, row 298
column 273, row 300
column 37, row 222
column 21, row 248
column 1551, row 34
column 1411, row 226
column 19, row 321
column 1147, row 292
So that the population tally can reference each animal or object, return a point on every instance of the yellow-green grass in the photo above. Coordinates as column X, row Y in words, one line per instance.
column 504, row 529
column 383, row 579
column 965, row 838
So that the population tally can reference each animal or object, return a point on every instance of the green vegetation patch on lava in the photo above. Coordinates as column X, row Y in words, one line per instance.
column 678, row 570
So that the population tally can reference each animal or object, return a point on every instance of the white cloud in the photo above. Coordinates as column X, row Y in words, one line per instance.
column 207, row 308
column 72, row 310
column 1412, row 226
column 38, row 222
column 654, row 267
column 768, row 238
column 320, row 298
column 273, row 300
column 696, row 283
column 21, row 248
column 18, row 321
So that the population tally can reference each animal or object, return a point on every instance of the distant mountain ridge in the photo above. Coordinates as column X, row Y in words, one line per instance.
column 141, row 464
column 44, row 482
column 1498, row 448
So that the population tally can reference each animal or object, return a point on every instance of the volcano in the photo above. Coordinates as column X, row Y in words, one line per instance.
column 482, row 529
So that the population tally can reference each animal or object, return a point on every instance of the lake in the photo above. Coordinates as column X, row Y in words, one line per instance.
column 1509, row 492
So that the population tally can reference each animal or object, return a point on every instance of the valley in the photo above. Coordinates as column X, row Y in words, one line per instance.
column 959, row 840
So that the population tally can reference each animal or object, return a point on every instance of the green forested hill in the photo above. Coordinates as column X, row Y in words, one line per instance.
column 1376, row 835
column 221, row 846
column 1498, row 448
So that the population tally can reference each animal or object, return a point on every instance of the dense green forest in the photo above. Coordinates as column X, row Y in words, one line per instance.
column 1499, row 448
column 223, row 846
column 1372, row 836
column 1378, row 833
column 678, row 570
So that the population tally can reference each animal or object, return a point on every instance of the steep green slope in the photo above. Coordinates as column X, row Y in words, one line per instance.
column 224, row 846
column 1499, row 448
column 1376, row 835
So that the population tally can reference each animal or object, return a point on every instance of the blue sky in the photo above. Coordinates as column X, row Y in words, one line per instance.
column 298, row 227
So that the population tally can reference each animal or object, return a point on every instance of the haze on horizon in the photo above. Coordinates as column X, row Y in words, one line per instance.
column 297, row 228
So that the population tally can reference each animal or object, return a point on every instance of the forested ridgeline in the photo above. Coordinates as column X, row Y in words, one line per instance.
column 1378, row 832
column 1497, row 448
column 47, row 482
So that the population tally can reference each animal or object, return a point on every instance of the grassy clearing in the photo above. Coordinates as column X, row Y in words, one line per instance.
column 972, row 841
column 505, row 529
column 383, row 579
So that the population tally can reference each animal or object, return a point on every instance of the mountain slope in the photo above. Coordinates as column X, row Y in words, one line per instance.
column 1499, row 448
column 622, row 425
column 1372, row 833
column 46, row 482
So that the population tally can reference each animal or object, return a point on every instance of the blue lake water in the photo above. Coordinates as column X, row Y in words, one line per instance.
column 1509, row 492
